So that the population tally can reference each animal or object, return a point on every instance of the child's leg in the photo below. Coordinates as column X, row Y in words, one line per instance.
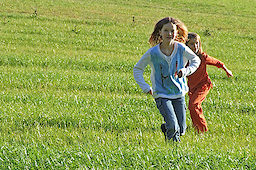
column 180, row 111
column 166, row 109
column 195, row 107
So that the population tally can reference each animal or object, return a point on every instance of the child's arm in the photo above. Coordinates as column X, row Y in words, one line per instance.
column 194, row 60
column 138, row 71
column 215, row 62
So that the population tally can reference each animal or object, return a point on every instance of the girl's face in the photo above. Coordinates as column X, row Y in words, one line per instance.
column 193, row 44
column 168, row 32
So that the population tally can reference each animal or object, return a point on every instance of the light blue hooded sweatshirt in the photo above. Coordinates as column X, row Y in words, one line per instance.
column 165, row 83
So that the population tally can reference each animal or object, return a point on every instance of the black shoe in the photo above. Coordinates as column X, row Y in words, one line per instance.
column 163, row 128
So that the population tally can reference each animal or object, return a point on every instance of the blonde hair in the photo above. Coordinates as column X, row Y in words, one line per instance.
column 182, row 34
column 182, row 31
column 192, row 35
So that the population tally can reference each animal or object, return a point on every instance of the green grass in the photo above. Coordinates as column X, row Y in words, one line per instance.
column 69, row 100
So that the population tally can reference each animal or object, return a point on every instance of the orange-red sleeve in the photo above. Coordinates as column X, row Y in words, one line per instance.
column 213, row 61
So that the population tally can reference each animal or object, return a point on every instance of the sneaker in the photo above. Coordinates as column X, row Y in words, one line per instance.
column 163, row 128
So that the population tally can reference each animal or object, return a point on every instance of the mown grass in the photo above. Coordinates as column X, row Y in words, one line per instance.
column 69, row 100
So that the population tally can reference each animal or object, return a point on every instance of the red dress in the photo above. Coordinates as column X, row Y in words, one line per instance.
column 199, row 84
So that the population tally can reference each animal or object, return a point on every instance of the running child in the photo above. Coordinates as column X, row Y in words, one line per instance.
column 167, row 59
column 199, row 82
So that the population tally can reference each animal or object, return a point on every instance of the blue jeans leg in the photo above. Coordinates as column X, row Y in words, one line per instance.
column 180, row 111
column 174, row 113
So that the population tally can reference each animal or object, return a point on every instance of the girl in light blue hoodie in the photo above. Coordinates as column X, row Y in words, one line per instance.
column 167, row 59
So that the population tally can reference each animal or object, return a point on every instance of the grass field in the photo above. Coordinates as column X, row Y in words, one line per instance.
column 69, row 100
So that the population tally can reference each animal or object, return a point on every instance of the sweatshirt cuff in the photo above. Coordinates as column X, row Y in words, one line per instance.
column 147, row 89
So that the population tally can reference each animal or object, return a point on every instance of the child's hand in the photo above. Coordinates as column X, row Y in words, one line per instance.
column 229, row 73
column 150, row 92
column 180, row 74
